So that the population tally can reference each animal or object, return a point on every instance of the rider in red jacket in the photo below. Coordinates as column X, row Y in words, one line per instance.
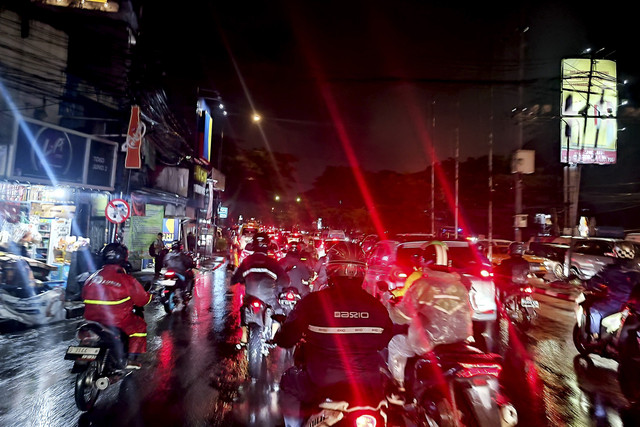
column 110, row 295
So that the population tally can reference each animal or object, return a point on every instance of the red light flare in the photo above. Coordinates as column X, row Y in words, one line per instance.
column 332, row 107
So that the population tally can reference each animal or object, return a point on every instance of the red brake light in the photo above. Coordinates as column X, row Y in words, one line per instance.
column 256, row 304
column 474, row 369
column 485, row 273
column 366, row 421
column 528, row 290
column 170, row 273
column 290, row 296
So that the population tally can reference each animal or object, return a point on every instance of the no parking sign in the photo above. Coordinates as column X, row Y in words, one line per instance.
column 117, row 211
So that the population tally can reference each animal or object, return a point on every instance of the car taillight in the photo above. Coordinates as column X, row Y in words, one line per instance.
column 475, row 369
column 365, row 421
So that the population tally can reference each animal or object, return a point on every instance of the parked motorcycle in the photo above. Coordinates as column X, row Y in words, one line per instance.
column 521, row 308
column 100, row 359
column 172, row 291
column 618, row 339
column 456, row 385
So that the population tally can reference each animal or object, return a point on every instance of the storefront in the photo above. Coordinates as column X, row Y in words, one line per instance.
column 55, row 185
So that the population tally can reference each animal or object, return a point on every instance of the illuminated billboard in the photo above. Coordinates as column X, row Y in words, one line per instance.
column 589, row 106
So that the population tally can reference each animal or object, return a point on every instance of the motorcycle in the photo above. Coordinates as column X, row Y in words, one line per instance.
column 172, row 291
column 520, row 307
column 471, row 394
column 618, row 339
column 259, row 326
column 100, row 359
column 288, row 299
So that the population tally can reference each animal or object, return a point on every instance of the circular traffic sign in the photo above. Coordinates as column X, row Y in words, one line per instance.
column 117, row 211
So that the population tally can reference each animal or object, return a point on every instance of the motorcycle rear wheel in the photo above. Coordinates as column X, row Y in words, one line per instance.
column 579, row 341
column 254, row 350
column 86, row 393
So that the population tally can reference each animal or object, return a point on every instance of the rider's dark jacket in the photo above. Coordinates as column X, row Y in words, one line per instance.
column 262, row 276
column 344, row 328
column 297, row 271
column 511, row 271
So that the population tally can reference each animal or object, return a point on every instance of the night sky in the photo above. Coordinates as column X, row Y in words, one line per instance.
column 375, row 73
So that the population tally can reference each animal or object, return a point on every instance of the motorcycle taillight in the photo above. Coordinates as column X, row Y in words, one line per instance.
column 170, row 274
column 366, row 420
column 291, row 296
column 471, row 370
column 527, row 290
column 256, row 306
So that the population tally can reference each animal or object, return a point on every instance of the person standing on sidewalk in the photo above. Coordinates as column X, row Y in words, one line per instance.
column 158, row 253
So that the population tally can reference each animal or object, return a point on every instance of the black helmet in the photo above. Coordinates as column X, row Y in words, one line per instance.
column 176, row 246
column 346, row 263
column 115, row 253
column 516, row 248
column 261, row 242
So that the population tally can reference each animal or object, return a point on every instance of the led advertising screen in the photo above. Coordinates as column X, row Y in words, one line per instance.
column 589, row 106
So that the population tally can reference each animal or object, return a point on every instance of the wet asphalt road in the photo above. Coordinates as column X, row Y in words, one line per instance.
column 193, row 375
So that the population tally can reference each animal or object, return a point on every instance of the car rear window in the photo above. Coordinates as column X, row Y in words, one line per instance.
column 465, row 257
column 406, row 256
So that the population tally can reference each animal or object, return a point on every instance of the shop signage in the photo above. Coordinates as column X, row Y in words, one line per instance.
column 117, row 211
column 134, row 139
column 223, row 211
column 49, row 154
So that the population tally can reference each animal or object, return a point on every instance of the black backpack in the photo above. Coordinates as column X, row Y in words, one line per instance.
column 152, row 249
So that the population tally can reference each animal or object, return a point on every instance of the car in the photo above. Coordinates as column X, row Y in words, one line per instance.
column 390, row 262
column 587, row 256
column 554, row 253
column 539, row 266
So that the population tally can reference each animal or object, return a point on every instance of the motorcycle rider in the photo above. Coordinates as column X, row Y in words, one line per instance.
column 435, row 307
column 512, row 272
column 344, row 328
column 262, row 276
column 296, row 269
column 615, row 282
column 182, row 263
column 110, row 295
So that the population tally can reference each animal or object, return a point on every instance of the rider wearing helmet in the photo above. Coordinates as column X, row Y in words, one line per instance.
column 297, row 270
column 110, row 295
column 614, row 283
column 344, row 328
column 182, row 263
column 435, row 308
column 262, row 276
column 513, row 271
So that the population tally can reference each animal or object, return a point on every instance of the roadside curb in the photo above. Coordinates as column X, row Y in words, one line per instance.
column 555, row 294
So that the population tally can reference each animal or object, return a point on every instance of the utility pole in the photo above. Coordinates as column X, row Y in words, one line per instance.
column 518, row 175
column 433, row 167
column 490, row 214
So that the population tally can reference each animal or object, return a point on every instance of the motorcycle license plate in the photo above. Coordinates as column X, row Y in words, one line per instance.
column 76, row 352
column 528, row 302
